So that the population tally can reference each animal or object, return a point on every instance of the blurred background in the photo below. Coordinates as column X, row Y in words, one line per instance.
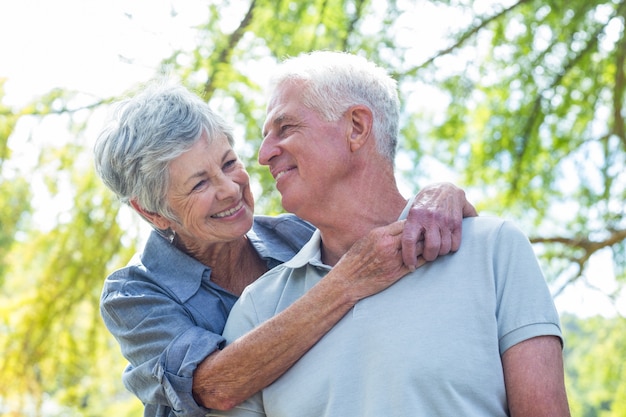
column 521, row 103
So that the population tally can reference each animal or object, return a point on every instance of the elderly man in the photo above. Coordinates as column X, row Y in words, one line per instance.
column 431, row 344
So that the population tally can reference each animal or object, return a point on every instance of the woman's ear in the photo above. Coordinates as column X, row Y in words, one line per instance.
column 155, row 219
column 361, row 120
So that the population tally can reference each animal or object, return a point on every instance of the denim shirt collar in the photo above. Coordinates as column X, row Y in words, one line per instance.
column 177, row 272
column 182, row 274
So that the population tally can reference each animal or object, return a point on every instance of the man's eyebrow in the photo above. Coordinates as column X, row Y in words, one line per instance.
column 277, row 121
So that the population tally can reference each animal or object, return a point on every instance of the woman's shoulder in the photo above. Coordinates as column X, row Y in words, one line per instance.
column 286, row 227
column 284, row 220
column 280, row 237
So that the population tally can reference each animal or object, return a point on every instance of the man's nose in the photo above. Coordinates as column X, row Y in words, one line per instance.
column 268, row 150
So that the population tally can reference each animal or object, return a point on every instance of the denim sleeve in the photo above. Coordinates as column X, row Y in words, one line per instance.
column 163, row 344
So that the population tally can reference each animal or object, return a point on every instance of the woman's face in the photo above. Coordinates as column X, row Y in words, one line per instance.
column 210, row 194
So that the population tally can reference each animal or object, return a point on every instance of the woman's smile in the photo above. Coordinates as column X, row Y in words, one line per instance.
column 229, row 212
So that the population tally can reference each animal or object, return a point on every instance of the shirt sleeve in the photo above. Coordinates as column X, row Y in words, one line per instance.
column 252, row 407
column 162, row 343
column 525, row 305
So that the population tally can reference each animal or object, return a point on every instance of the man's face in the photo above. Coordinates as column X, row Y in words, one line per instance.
column 307, row 156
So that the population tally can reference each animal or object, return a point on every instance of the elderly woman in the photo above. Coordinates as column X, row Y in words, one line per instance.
column 171, row 159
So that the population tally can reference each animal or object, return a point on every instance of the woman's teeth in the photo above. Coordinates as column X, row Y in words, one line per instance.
column 228, row 212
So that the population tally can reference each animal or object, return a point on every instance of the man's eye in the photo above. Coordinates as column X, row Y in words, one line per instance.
column 230, row 163
column 285, row 128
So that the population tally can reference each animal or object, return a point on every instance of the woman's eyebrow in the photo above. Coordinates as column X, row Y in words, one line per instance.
column 203, row 173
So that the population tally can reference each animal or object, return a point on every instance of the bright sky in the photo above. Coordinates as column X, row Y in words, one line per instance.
column 99, row 47
column 104, row 47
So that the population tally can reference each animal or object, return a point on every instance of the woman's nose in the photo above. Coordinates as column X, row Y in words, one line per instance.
column 227, row 187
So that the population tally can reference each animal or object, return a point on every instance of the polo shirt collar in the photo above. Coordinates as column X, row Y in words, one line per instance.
column 311, row 252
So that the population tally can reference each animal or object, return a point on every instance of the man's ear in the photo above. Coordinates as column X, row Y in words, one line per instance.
column 361, row 120
column 156, row 219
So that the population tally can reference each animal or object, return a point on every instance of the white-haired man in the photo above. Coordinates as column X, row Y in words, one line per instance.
column 431, row 344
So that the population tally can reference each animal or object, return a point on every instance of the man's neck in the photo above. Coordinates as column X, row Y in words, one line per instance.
column 355, row 219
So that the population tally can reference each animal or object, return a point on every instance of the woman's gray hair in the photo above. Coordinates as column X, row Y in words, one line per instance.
column 148, row 131
column 335, row 81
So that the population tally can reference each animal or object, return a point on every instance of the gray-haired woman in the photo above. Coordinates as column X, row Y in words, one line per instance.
column 171, row 158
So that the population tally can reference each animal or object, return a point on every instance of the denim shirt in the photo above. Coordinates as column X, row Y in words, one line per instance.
column 167, row 315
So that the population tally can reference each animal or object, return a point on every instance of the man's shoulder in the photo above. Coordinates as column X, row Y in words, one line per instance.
column 277, row 289
column 484, row 221
column 271, row 282
column 489, row 225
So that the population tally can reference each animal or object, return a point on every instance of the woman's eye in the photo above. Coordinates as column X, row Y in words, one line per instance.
column 230, row 163
column 199, row 185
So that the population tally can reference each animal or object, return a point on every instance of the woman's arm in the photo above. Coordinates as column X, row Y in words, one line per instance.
column 160, row 339
column 227, row 377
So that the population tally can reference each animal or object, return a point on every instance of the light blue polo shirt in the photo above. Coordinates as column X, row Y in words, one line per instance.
column 430, row 345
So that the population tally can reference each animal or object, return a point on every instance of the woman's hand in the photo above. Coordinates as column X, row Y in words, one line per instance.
column 373, row 263
column 433, row 226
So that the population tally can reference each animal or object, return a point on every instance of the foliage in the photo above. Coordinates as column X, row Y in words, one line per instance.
column 53, row 343
column 594, row 365
column 532, row 120
column 538, row 118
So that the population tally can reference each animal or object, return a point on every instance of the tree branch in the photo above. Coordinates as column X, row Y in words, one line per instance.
column 226, row 53
column 28, row 111
column 619, row 128
column 358, row 14
column 589, row 247
column 535, row 113
column 584, row 243
column 465, row 36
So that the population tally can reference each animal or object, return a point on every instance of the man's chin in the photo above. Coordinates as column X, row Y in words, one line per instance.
column 288, row 204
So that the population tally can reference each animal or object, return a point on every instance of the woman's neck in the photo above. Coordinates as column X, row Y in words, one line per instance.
column 234, row 265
